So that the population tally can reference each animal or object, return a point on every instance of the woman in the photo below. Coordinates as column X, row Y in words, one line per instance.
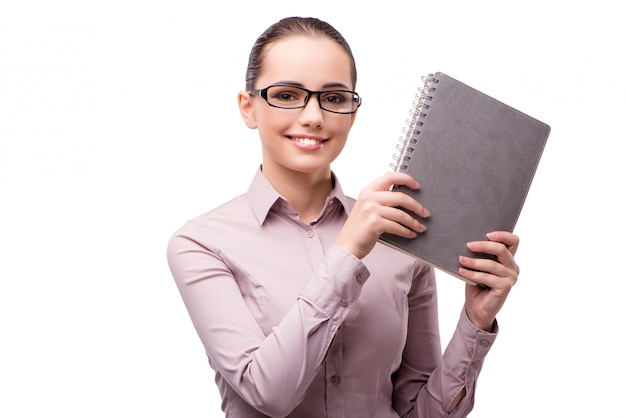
column 301, row 312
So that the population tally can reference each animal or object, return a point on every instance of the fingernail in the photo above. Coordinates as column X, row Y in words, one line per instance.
column 472, row 245
column 421, row 228
column 426, row 213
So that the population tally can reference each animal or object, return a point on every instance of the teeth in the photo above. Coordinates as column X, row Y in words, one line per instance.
column 306, row 141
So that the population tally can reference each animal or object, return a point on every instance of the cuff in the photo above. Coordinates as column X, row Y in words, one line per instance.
column 466, row 352
column 336, row 284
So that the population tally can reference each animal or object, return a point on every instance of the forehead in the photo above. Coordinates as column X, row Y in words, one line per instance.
column 311, row 61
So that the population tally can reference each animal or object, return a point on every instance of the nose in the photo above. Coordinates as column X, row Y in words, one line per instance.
column 312, row 114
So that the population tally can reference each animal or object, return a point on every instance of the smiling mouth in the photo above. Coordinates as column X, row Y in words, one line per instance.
column 306, row 141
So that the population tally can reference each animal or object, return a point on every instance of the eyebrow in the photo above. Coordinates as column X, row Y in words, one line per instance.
column 325, row 86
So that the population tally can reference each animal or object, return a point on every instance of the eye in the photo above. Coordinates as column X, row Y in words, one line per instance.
column 286, row 94
column 335, row 97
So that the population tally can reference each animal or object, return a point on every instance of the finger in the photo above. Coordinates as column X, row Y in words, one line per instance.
column 486, row 266
column 487, row 280
column 397, row 228
column 394, row 178
column 399, row 199
column 401, row 217
column 510, row 240
column 497, row 249
column 488, row 272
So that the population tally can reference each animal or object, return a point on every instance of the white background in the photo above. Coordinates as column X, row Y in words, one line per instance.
column 118, row 122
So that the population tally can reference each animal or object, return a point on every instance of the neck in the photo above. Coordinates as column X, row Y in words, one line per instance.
column 305, row 192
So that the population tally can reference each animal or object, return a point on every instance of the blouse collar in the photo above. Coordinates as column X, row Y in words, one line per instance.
column 263, row 197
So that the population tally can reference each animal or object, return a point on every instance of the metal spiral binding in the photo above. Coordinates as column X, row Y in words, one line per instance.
column 411, row 132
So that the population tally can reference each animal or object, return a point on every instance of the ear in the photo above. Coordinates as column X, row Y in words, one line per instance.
column 246, row 109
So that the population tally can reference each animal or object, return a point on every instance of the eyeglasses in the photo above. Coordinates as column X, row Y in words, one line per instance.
column 286, row 96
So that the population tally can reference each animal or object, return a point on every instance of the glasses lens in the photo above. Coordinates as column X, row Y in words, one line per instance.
column 286, row 97
column 339, row 101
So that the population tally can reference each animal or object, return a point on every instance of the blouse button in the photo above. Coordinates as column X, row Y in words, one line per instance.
column 345, row 302
column 359, row 279
column 335, row 380
column 309, row 234
column 484, row 343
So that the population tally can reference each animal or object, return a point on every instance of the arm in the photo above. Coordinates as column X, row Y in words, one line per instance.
column 450, row 388
column 428, row 384
column 270, row 372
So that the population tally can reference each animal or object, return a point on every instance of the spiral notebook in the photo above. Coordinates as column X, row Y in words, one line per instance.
column 475, row 158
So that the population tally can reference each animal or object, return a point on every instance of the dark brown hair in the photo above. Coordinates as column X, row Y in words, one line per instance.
column 285, row 28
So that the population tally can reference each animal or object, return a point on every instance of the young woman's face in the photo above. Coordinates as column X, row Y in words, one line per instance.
column 308, row 139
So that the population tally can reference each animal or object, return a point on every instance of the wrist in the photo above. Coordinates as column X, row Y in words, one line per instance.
column 484, row 324
column 354, row 250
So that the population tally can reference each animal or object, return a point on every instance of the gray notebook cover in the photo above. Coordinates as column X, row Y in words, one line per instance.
column 475, row 158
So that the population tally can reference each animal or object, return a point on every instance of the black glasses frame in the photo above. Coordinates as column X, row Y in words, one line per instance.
column 263, row 93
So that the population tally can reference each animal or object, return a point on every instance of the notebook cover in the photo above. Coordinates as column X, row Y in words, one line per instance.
column 475, row 159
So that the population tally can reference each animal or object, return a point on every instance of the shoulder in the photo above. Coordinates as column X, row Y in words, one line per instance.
column 230, row 215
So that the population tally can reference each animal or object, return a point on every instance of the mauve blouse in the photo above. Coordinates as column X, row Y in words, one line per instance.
column 297, row 327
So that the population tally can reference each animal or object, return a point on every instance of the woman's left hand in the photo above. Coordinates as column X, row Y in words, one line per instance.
column 498, row 276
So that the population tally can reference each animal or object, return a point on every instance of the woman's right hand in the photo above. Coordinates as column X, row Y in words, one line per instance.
column 376, row 211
